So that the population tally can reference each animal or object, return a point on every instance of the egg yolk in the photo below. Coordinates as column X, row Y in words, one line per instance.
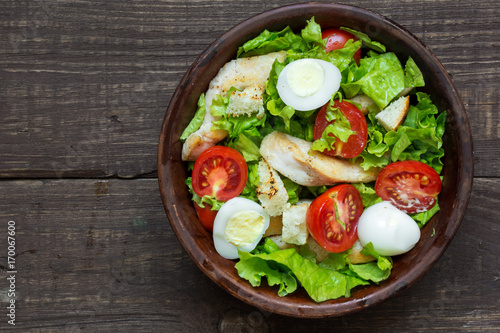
column 244, row 227
column 305, row 77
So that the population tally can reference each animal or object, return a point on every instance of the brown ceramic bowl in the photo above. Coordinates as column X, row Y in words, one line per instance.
column 408, row 268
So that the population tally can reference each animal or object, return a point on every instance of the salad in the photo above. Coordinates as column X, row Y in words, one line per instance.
column 313, row 159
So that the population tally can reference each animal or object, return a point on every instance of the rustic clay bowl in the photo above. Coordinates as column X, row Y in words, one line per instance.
column 457, row 172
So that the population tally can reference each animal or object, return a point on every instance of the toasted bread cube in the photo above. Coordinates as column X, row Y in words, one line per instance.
column 275, row 226
column 294, row 223
column 394, row 114
column 271, row 191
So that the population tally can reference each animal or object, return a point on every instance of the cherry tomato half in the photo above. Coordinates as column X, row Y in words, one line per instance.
column 206, row 215
column 356, row 142
column 332, row 218
column 337, row 39
column 220, row 172
column 411, row 186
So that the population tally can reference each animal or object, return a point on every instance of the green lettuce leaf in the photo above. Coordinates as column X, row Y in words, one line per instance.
column 413, row 75
column 253, row 268
column 368, row 195
column 320, row 283
column 247, row 147
column 379, row 76
column 374, row 154
column 206, row 199
column 370, row 271
column 419, row 138
column 424, row 217
column 312, row 32
column 248, row 125
column 285, row 39
column 250, row 189
column 197, row 120
column 341, row 58
column 340, row 128
column 367, row 42
column 383, row 262
column 293, row 190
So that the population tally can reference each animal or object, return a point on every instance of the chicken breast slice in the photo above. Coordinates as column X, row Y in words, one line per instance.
column 293, row 158
column 240, row 73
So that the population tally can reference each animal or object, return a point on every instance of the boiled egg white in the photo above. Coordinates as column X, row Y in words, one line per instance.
column 308, row 84
column 239, row 224
column 390, row 230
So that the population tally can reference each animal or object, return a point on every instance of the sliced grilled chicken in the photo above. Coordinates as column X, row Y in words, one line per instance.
column 240, row 73
column 293, row 158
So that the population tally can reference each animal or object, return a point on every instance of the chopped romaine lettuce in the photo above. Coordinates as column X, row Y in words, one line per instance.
column 197, row 120
column 379, row 76
column 206, row 199
column 368, row 194
column 285, row 39
column 250, row 189
column 334, row 277
column 285, row 266
column 367, row 42
column 424, row 217
column 312, row 33
column 340, row 128
column 413, row 75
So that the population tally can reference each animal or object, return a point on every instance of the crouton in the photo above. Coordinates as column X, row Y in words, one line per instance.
column 320, row 253
column 282, row 245
column 294, row 223
column 247, row 101
column 394, row 114
column 363, row 102
column 275, row 226
column 271, row 191
column 355, row 257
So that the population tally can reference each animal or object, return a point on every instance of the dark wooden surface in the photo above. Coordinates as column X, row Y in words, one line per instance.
column 83, row 89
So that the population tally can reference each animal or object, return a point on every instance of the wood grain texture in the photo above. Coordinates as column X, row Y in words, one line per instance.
column 83, row 89
column 110, row 261
column 103, row 73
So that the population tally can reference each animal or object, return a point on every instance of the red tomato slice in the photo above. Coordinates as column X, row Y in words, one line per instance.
column 411, row 186
column 337, row 39
column 332, row 218
column 356, row 142
column 220, row 172
column 206, row 216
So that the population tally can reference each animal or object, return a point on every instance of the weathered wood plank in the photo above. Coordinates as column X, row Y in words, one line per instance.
column 99, row 255
column 85, row 84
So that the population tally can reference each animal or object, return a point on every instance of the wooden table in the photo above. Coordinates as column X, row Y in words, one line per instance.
column 83, row 89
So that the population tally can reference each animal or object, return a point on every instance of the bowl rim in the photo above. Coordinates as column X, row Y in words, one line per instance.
column 242, row 290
